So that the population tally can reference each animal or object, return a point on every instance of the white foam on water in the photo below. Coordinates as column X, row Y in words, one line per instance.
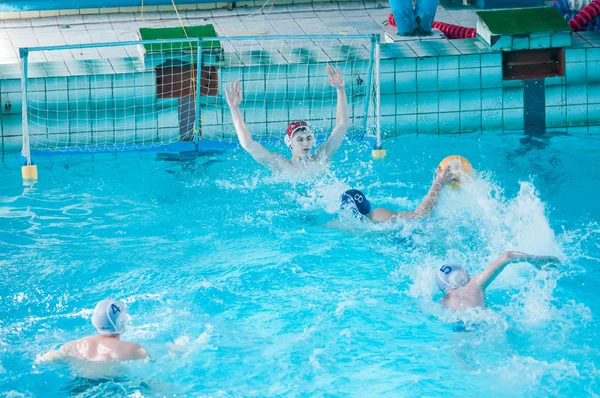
column 478, row 223
column 314, row 358
column 342, row 306
column 527, row 373
column 253, row 183
column 535, row 306
column 97, row 370
column 510, row 224
column 17, row 394
column 184, row 345
column 323, row 194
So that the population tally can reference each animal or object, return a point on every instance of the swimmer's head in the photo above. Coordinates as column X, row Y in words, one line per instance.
column 354, row 200
column 110, row 317
column 451, row 276
column 300, row 139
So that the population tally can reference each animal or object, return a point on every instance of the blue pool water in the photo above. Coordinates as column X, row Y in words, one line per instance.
column 236, row 287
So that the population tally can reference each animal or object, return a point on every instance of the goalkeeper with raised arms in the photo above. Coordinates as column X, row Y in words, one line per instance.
column 299, row 137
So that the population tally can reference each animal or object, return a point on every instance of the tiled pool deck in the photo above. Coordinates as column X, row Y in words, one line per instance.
column 347, row 17
column 298, row 19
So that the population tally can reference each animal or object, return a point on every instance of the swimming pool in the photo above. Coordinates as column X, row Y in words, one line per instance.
column 236, row 287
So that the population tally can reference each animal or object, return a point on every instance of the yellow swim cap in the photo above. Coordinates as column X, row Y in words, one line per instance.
column 460, row 165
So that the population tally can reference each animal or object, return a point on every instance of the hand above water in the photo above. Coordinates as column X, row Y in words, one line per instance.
column 233, row 94
column 541, row 262
column 445, row 175
column 335, row 76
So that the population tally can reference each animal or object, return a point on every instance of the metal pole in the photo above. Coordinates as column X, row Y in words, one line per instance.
column 198, row 91
column 369, row 84
column 377, row 94
column 25, row 150
column 190, row 40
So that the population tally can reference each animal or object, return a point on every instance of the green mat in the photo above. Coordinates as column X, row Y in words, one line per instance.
column 524, row 20
column 201, row 31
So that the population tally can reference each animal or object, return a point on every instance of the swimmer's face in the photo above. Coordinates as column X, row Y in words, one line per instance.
column 302, row 143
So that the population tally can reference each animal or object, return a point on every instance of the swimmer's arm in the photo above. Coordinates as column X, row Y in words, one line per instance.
column 430, row 200
column 540, row 262
column 138, row 352
column 381, row 214
column 261, row 154
column 257, row 151
column 56, row 355
column 342, row 115
column 425, row 207
column 49, row 356
column 486, row 277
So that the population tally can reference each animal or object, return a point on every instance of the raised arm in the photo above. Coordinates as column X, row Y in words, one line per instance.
column 342, row 115
column 486, row 277
column 424, row 209
column 233, row 93
column 443, row 177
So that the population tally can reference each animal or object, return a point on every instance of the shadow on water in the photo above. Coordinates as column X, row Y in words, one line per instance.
column 186, row 155
column 190, row 160
column 109, row 387
column 541, row 157
column 531, row 142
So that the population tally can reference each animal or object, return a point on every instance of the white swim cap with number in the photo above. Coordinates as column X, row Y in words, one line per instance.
column 110, row 317
column 451, row 276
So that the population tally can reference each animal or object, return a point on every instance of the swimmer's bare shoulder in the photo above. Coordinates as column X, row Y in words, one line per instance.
column 90, row 348
column 381, row 215
column 470, row 295
column 117, row 349
column 134, row 351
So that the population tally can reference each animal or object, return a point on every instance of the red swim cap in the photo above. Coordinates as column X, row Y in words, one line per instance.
column 291, row 129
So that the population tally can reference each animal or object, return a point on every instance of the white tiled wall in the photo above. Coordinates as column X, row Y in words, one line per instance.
column 466, row 93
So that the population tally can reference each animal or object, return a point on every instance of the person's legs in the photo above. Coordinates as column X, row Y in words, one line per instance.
column 404, row 14
column 425, row 13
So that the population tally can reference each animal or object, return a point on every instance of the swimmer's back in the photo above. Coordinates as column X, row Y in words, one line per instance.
column 101, row 348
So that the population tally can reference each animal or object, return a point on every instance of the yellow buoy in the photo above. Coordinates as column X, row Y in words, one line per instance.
column 378, row 153
column 460, row 165
column 29, row 172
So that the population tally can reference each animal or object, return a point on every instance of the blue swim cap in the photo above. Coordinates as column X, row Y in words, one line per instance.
column 355, row 199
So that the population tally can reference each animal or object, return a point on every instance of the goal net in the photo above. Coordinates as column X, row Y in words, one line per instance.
column 137, row 95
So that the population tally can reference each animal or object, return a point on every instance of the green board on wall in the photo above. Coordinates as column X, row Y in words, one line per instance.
column 202, row 31
column 524, row 21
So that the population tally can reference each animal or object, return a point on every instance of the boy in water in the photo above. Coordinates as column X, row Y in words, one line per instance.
column 299, row 137
column 463, row 292
column 110, row 319
column 359, row 204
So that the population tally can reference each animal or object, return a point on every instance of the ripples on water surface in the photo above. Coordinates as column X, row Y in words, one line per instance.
column 236, row 287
